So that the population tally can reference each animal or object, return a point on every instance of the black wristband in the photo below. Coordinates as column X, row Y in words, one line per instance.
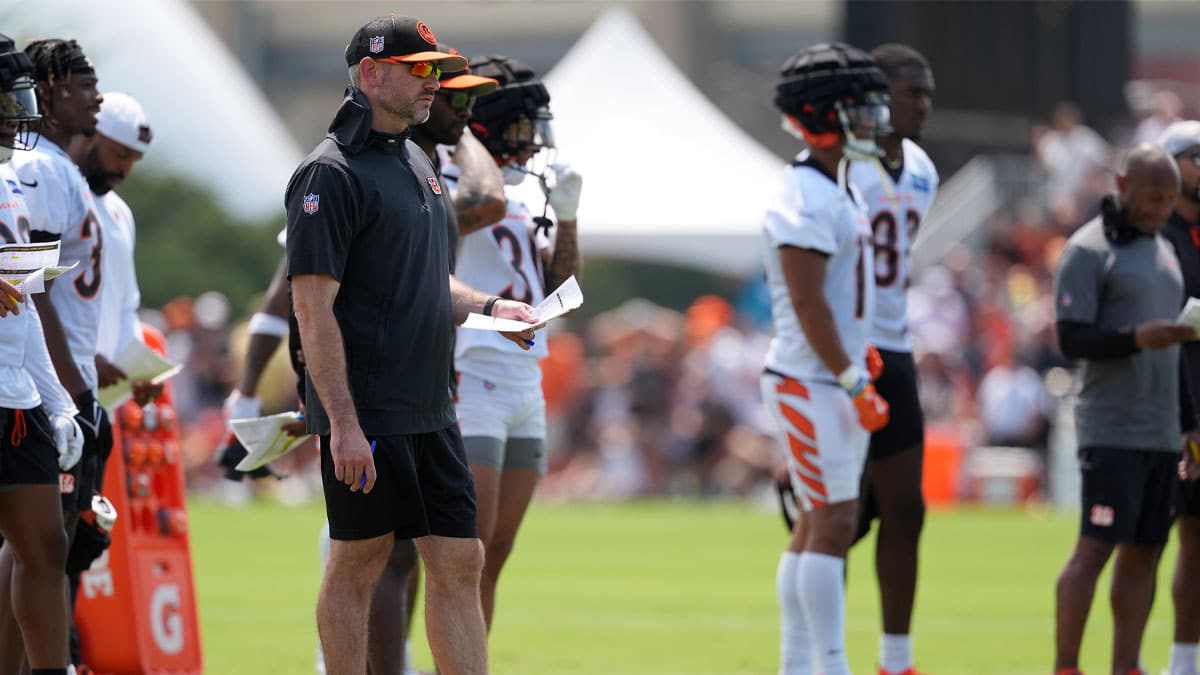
column 487, row 306
column 84, row 401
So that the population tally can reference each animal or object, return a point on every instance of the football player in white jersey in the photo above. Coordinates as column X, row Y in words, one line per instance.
column 38, row 433
column 501, row 409
column 122, row 137
column 898, row 189
column 817, row 252
column 61, row 209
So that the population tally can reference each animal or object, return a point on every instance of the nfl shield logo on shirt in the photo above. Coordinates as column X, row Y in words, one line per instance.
column 433, row 183
column 376, row 45
column 311, row 203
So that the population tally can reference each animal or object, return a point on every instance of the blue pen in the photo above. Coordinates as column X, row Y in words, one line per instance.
column 363, row 483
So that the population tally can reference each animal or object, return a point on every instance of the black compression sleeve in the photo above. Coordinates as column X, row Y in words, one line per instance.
column 1079, row 340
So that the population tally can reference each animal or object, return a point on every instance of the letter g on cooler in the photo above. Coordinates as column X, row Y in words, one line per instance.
column 166, row 623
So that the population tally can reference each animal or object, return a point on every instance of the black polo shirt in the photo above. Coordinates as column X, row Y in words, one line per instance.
column 1185, row 239
column 368, row 210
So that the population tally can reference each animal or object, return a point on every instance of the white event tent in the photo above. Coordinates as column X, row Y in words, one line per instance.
column 211, row 122
column 667, row 177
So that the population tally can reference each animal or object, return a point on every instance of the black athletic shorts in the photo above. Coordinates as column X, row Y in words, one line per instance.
column 28, row 455
column 423, row 486
column 897, row 384
column 1127, row 494
column 86, row 478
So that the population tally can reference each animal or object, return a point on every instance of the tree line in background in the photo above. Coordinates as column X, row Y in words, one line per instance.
column 188, row 244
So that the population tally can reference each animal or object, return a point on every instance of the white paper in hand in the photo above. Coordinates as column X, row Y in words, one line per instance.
column 140, row 364
column 265, row 439
column 563, row 299
column 1190, row 316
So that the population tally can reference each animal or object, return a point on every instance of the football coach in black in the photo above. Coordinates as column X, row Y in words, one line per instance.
column 367, row 259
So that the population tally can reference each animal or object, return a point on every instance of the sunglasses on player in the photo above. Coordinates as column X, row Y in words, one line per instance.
column 458, row 100
column 421, row 69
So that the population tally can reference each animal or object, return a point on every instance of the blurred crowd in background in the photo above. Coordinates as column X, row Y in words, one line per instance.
column 645, row 400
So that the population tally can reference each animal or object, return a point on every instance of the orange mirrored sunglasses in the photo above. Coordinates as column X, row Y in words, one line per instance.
column 426, row 69
column 421, row 69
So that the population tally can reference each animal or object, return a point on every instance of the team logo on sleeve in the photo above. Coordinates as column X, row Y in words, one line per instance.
column 920, row 183
column 1102, row 516
column 311, row 203
column 376, row 45
column 434, row 185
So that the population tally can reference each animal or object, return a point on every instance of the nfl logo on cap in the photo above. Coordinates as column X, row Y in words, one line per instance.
column 311, row 203
column 376, row 44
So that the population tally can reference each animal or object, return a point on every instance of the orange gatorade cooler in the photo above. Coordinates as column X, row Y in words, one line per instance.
column 136, row 610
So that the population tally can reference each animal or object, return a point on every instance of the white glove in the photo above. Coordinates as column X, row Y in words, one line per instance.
column 68, row 438
column 239, row 407
column 564, row 196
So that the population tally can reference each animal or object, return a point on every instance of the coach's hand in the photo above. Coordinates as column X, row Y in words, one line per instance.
column 517, row 311
column 10, row 299
column 352, row 458
column 1162, row 334
column 1189, row 466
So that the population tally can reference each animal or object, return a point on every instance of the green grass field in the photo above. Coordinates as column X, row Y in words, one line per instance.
column 663, row 588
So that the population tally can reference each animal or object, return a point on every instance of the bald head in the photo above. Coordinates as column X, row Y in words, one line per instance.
column 1150, row 160
column 1147, row 183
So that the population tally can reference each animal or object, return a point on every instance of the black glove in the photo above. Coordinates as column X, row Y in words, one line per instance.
column 89, row 543
column 232, row 454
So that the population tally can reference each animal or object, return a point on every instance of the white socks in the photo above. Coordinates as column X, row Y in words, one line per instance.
column 1183, row 658
column 795, row 645
column 895, row 653
column 822, row 595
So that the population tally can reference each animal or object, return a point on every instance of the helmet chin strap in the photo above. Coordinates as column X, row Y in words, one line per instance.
column 515, row 175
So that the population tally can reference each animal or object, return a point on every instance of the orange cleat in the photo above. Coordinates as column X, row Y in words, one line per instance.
column 910, row 671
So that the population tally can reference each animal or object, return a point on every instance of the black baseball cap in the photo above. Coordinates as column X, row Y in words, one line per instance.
column 399, row 39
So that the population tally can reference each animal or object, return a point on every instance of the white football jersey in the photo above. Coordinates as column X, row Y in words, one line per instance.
column 896, row 206
column 17, row 390
column 503, row 259
column 120, row 296
column 812, row 212
column 27, row 377
column 61, row 206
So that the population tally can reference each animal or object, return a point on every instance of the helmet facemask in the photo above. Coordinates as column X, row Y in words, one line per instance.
column 528, row 133
column 18, row 114
column 862, row 124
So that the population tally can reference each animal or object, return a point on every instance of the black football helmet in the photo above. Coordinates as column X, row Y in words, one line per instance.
column 521, row 95
column 18, row 99
column 831, row 92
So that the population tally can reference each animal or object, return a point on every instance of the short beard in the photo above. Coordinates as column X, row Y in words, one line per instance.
column 98, row 182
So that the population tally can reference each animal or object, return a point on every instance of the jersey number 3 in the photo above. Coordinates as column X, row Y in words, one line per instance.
column 91, row 230
column 505, row 236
